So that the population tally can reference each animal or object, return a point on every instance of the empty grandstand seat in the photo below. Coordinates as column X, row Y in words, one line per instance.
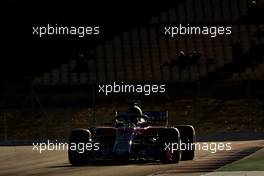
column 249, row 73
column 172, row 49
column 181, row 44
column 199, row 46
column 194, row 69
column 234, row 10
column 189, row 44
column 243, row 7
column 203, row 70
column 146, row 54
column 212, row 68
column 128, row 62
column 91, row 71
column 55, row 75
column 118, row 60
column 202, row 60
column 194, row 76
column 228, row 53
column 235, row 33
column 207, row 11
column 259, row 76
column 38, row 81
column 185, row 75
column 175, row 73
column 72, row 64
column 243, row 76
column 226, row 10
column 109, row 61
column 248, row 70
column 172, row 15
column 74, row 78
column 164, row 58
column 100, row 64
column 216, row 4
column 181, row 17
column 164, row 18
column 64, row 74
column 244, row 35
column 235, row 76
column 166, row 73
column 199, row 11
column 190, row 11
column 136, row 54
column 46, row 78
column 154, row 20
column 163, row 50
column 252, row 29
column 219, row 53
column 83, row 78
column 208, row 46
column 155, row 54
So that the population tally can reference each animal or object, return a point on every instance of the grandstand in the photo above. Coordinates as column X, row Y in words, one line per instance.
column 138, row 54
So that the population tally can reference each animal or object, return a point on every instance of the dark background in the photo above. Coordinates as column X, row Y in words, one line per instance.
column 213, row 104
column 25, row 55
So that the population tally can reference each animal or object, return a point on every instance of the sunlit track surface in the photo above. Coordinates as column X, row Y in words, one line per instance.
column 23, row 161
column 211, row 162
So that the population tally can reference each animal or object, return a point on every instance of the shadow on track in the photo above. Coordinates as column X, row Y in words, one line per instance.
column 109, row 163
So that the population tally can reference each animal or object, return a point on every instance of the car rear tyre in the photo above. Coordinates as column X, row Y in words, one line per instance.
column 187, row 133
column 169, row 137
column 77, row 137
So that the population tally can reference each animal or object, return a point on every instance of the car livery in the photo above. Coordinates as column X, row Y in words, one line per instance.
column 134, row 136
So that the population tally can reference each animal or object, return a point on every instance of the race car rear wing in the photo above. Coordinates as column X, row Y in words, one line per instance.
column 155, row 118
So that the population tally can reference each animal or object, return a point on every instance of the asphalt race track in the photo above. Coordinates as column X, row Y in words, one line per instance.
column 23, row 160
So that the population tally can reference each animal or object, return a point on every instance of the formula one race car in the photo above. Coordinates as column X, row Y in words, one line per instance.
column 134, row 136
